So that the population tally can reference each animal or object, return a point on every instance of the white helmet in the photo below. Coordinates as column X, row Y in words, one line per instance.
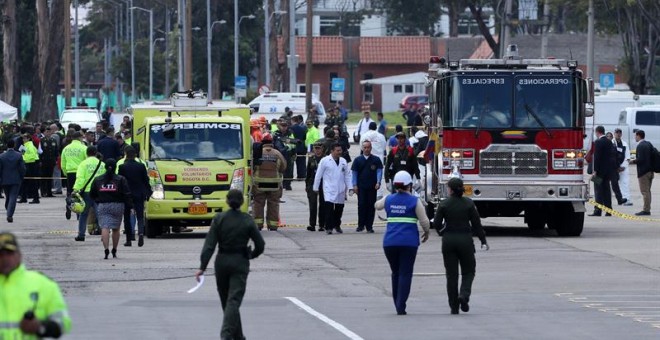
column 402, row 178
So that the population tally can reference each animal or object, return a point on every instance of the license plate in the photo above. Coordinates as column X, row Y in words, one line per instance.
column 468, row 190
column 197, row 208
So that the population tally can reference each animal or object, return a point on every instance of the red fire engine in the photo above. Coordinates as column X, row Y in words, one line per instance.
column 513, row 130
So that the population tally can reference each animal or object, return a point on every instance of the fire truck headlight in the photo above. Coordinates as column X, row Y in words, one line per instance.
column 455, row 154
column 570, row 154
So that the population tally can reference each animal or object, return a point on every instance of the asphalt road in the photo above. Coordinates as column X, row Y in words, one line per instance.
column 308, row 285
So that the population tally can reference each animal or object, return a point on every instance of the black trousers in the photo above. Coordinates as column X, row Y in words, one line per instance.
column 30, row 187
column 138, row 205
column 231, row 273
column 288, row 173
column 316, row 204
column 70, row 182
column 333, row 214
column 301, row 166
column 616, row 189
column 47, row 169
column 603, row 194
column 366, row 210
column 458, row 250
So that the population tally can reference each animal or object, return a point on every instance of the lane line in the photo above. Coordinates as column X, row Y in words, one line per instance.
column 324, row 318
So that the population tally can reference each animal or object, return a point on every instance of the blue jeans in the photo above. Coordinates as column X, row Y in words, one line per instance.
column 82, row 222
column 11, row 194
column 402, row 262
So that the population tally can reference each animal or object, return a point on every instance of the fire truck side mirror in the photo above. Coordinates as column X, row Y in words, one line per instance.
column 589, row 93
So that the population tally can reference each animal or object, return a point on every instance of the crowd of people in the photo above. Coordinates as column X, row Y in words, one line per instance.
column 41, row 159
column 609, row 162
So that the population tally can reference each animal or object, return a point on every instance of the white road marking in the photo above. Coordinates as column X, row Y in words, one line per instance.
column 324, row 318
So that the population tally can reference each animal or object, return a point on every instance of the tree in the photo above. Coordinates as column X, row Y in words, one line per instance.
column 12, row 93
column 47, row 60
column 410, row 17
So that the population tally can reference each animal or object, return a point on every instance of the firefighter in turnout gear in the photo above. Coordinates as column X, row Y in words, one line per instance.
column 267, row 180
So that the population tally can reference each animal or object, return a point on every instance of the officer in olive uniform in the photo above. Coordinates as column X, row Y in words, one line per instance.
column 230, row 231
column 51, row 151
column 315, row 199
column 401, row 157
column 267, row 180
column 456, row 220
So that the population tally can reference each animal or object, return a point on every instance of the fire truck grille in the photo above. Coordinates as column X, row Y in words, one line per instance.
column 513, row 163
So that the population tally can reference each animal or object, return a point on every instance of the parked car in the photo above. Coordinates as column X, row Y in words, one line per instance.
column 416, row 100
column 85, row 117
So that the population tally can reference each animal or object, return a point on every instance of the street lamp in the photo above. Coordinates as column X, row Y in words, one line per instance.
column 209, row 36
column 151, row 48
column 267, row 40
column 236, row 34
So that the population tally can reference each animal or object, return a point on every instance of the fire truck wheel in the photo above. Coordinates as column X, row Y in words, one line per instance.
column 152, row 228
column 570, row 224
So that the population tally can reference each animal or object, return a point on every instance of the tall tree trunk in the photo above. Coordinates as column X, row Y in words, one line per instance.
column 12, row 93
column 284, row 81
column 272, row 38
column 455, row 9
column 476, row 13
column 49, row 30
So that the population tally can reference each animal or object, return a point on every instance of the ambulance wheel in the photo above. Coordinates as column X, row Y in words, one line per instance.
column 152, row 228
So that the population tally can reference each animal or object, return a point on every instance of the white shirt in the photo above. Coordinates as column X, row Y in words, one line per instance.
column 378, row 143
column 336, row 179
column 363, row 125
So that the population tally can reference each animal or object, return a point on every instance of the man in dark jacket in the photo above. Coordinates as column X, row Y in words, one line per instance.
column 644, row 170
column 12, row 171
column 108, row 146
column 604, row 170
column 300, row 134
column 138, row 180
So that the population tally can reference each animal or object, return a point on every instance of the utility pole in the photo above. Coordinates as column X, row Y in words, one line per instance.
column 182, row 32
column 209, row 36
column 188, row 45
column 506, row 27
column 590, row 40
column 167, row 51
column 67, row 56
column 308, row 55
column 292, row 62
column 545, row 29
column 76, row 53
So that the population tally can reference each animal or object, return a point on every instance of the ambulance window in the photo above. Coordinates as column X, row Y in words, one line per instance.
column 647, row 118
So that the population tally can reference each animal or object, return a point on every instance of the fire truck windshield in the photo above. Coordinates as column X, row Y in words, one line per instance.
column 502, row 101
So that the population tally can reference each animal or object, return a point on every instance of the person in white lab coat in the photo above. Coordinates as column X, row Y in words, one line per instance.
column 336, row 176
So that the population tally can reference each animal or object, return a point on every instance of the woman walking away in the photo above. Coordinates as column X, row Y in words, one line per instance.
column 231, row 231
column 456, row 220
column 111, row 193
column 402, row 236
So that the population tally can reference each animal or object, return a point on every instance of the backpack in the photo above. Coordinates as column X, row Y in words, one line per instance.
column 655, row 159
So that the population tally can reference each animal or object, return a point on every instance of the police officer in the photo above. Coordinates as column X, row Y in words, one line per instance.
column 401, row 157
column 367, row 172
column 401, row 238
column 30, row 187
column 230, row 231
column 315, row 199
column 50, row 152
column 88, row 169
column 457, row 219
column 72, row 155
column 285, row 143
column 31, row 304
column 267, row 188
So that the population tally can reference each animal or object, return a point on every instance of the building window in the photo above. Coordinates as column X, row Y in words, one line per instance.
column 398, row 88
column 409, row 89
column 368, row 88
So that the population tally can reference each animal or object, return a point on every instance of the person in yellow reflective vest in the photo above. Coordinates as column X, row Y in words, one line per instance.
column 72, row 155
column 88, row 169
column 31, row 158
column 31, row 304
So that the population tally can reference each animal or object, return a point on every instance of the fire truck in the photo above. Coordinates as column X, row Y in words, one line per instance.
column 513, row 130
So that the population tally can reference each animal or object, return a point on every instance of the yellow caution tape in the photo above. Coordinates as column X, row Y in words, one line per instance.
column 622, row 215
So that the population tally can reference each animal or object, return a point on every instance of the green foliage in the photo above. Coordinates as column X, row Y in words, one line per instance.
column 411, row 17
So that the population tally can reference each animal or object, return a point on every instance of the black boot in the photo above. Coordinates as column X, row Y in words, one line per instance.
column 140, row 241
column 114, row 252
column 107, row 252
column 128, row 242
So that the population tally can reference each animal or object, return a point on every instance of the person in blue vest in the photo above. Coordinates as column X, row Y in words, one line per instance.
column 401, row 238
column 457, row 219
column 367, row 172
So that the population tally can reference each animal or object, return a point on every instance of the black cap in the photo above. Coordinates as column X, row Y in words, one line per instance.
column 8, row 242
column 617, row 130
column 400, row 134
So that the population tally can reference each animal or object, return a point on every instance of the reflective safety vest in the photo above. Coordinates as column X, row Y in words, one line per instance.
column 26, row 290
column 401, row 220
column 268, row 173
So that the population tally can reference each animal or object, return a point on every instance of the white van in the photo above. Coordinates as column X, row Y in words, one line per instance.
column 272, row 105
column 645, row 118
